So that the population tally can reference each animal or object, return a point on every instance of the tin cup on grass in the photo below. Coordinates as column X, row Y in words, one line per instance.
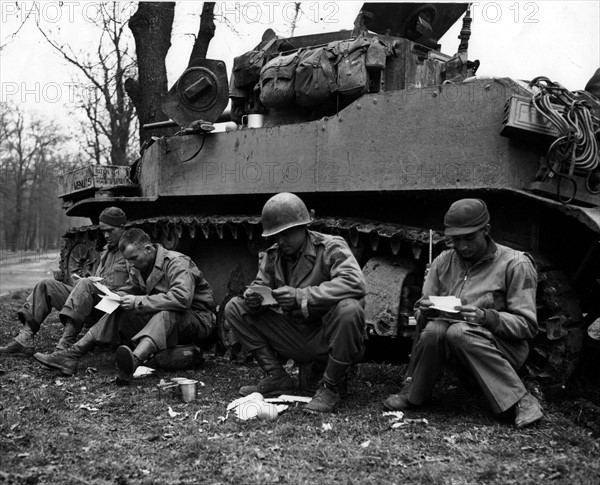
column 189, row 390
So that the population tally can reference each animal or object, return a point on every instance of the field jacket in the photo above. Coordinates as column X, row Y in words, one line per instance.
column 112, row 267
column 326, row 273
column 174, row 284
column 503, row 283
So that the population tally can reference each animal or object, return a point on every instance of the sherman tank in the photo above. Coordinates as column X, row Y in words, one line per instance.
column 378, row 132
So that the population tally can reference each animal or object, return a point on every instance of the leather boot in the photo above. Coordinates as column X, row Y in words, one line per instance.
column 67, row 361
column 328, row 396
column 22, row 345
column 128, row 361
column 69, row 336
column 277, row 381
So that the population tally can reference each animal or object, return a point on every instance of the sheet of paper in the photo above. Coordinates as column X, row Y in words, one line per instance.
column 265, row 292
column 107, row 292
column 107, row 305
column 445, row 303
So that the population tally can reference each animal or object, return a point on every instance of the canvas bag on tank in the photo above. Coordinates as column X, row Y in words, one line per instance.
column 352, row 75
column 277, row 81
column 315, row 77
column 246, row 68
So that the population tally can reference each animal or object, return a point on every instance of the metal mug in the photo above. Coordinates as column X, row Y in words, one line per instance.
column 253, row 120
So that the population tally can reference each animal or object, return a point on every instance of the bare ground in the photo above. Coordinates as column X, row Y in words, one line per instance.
column 85, row 429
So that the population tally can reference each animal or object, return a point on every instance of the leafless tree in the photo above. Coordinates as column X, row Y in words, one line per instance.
column 151, row 26
column 104, row 100
column 29, row 157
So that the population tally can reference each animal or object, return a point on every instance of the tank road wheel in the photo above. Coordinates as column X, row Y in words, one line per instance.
column 77, row 252
column 556, row 350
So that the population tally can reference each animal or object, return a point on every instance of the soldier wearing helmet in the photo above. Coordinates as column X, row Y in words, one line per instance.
column 318, row 318
column 487, row 334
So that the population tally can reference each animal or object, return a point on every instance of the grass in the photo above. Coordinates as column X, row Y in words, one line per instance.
column 85, row 429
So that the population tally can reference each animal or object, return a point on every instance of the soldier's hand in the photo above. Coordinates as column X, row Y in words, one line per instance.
column 253, row 300
column 127, row 302
column 424, row 305
column 472, row 314
column 286, row 297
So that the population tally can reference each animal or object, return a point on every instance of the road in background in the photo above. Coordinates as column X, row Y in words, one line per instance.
column 22, row 270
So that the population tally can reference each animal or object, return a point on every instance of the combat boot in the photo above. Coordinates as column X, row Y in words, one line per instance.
column 328, row 395
column 69, row 336
column 527, row 411
column 17, row 349
column 277, row 380
column 67, row 361
column 399, row 402
column 22, row 345
column 128, row 361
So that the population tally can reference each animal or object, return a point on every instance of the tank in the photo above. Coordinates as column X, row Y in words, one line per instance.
column 379, row 165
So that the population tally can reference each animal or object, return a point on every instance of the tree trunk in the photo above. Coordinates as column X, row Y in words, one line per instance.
column 205, row 33
column 151, row 26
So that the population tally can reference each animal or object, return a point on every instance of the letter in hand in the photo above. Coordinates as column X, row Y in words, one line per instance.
column 472, row 314
column 127, row 302
column 253, row 300
column 286, row 297
column 424, row 306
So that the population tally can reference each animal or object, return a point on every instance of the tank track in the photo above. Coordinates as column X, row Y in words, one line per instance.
column 554, row 354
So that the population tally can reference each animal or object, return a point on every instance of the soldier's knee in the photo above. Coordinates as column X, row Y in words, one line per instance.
column 350, row 307
column 458, row 335
column 234, row 309
column 433, row 333
column 84, row 284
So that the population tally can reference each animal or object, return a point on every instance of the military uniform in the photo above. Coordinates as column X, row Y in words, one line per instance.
column 329, row 320
column 173, row 305
column 76, row 302
column 503, row 284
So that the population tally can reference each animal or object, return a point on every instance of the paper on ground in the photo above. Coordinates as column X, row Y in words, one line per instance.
column 288, row 398
column 265, row 292
column 142, row 371
column 445, row 303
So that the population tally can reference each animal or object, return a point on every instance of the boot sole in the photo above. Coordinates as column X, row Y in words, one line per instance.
column 125, row 359
column 51, row 365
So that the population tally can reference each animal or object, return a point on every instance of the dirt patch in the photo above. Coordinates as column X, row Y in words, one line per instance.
column 85, row 429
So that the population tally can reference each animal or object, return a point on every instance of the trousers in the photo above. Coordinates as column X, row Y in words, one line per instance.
column 340, row 332
column 165, row 328
column 46, row 295
column 491, row 360
column 76, row 303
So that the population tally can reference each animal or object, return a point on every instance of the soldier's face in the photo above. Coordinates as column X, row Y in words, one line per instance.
column 472, row 246
column 291, row 240
column 139, row 256
column 112, row 234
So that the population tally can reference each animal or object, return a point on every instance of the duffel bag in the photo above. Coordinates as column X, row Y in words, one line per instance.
column 315, row 77
column 277, row 81
column 246, row 68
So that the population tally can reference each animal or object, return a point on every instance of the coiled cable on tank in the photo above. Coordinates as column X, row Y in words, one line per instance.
column 576, row 147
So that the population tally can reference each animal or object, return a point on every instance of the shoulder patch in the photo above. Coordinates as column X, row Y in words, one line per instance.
column 528, row 284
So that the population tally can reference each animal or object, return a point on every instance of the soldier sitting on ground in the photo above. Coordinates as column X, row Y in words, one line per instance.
column 75, row 303
column 165, row 302
column 488, row 336
column 319, row 288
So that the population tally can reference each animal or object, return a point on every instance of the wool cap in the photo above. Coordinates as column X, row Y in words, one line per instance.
column 113, row 216
column 466, row 216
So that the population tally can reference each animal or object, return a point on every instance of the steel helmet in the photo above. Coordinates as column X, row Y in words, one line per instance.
column 283, row 211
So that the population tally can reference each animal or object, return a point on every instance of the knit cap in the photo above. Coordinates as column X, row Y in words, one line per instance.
column 113, row 216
